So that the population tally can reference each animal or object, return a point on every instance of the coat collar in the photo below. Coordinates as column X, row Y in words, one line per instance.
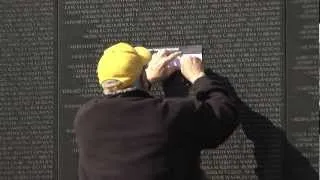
column 133, row 93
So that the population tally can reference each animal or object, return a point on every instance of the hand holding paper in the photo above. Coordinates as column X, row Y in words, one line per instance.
column 158, row 67
column 191, row 67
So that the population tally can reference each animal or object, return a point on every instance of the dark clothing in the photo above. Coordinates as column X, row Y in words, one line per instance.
column 134, row 136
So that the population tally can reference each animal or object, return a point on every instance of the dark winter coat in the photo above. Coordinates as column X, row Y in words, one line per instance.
column 135, row 136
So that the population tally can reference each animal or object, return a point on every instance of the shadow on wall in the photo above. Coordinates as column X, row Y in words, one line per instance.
column 295, row 166
column 258, row 128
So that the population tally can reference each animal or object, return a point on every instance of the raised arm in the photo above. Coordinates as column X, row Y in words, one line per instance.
column 216, row 114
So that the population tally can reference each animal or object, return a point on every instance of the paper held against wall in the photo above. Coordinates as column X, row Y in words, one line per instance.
column 192, row 50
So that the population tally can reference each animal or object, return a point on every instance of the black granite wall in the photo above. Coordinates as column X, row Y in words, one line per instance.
column 267, row 49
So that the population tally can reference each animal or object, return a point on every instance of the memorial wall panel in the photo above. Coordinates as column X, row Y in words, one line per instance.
column 241, row 40
column 302, row 65
column 28, row 86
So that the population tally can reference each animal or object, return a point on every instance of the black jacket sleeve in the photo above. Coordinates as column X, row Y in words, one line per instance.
column 215, row 115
